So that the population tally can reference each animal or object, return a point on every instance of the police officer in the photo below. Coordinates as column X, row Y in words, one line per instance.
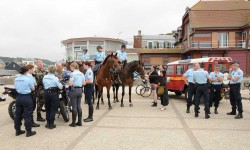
column 200, row 77
column 89, row 89
column 216, row 79
column 122, row 55
column 29, row 75
column 39, row 74
column 76, row 82
column 99, row 57
column 24, row 104
column 235, row 76
column 85, row 55
column 51, row 85
column 191, row 85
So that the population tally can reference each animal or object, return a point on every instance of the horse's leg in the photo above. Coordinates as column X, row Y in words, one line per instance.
column 96, row 92
column 116, row 92
column 108, row 96
column 102, row 99
column 113, row 86
column 99, row 96
column 123, row 93
column 130, row 102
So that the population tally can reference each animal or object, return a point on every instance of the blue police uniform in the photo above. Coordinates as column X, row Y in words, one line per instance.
column 77, row 78
column 51, row 85
column 85, row 57
column 31, row 77
column 24, row 103
column 191, row 87
column 200, row 77
column 122, row 55
column 215, row 90
column 235, row 96
column 99, row 57
column 89, row 90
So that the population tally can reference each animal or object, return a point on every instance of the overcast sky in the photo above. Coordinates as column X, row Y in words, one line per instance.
column 34, row 28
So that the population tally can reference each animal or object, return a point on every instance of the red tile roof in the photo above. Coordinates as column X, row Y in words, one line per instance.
column 220, row 14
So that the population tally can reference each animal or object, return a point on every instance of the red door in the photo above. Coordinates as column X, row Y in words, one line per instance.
column 241, row 57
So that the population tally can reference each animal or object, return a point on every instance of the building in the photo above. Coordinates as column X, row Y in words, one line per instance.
column 210, row 30
column 158, row 56
column 29, row 61
column 75, row 46
column 156, row 49
column 160, row 41
column 2, row 64
column 13, row 66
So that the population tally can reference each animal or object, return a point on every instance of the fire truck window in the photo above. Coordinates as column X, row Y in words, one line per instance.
column 190, row 66
column 170, row 70
column 223, row 67
column 209, row 68
column 180, row 69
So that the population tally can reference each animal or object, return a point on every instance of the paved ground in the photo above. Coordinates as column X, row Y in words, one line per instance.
column 138, row 127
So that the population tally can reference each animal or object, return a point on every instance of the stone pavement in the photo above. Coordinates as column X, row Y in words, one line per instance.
column 139, row 127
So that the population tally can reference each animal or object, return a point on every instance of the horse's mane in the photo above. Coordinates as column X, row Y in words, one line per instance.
column 105, row 60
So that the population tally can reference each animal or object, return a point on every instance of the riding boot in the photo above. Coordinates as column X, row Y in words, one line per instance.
column 90, row 117
column 207, row 116
column 79, row 123
column 39, row 117
column 52, row 125
column 19, row 132
column 73, row 124
column 48, row 124
column 35, row 124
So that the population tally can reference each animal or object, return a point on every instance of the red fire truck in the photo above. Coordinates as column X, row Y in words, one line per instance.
column 175, row 71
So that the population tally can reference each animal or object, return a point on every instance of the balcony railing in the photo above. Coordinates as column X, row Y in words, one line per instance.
column 208, row 44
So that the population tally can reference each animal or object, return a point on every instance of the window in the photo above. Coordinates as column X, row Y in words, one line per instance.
column 223, row 40
column 81, row 43
column 161, row 45
column 78, row 55
column 190, row 66
column 170, row 70
column 69, row 44
column 179, row 69
column 69, row 54
column 209, row 68
column 96, row 43
column 150, row 45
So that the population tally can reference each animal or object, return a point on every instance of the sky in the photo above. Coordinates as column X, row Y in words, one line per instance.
column 35, row 28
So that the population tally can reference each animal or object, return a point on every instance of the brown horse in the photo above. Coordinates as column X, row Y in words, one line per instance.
column 104, row 76
column 127, row 78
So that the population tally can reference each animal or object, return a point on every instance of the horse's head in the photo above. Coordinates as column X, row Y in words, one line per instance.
column 68, row 63
column 111, row 62
column 138, row 67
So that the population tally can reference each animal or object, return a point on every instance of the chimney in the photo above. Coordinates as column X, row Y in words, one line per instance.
column 139, row 32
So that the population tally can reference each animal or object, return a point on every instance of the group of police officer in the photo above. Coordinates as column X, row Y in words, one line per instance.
column 48, row 85
column 201, row 83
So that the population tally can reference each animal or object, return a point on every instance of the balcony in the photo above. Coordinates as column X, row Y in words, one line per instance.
column 193, row 45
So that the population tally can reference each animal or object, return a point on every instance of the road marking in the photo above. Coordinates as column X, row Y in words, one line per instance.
column 189, row 132
column 89, row 129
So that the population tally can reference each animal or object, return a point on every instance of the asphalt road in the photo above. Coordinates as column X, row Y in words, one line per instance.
column 139, row 127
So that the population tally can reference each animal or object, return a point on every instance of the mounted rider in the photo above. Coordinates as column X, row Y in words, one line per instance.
column 99, row 56
column 122, row 55
column 85, row 55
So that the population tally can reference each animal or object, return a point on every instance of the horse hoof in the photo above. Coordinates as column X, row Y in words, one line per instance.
column 102, row 103
column 122, row 105
column 114, row 101
column 110, row 107
column 130, row 105
column 117, row 101
column 97, row 107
